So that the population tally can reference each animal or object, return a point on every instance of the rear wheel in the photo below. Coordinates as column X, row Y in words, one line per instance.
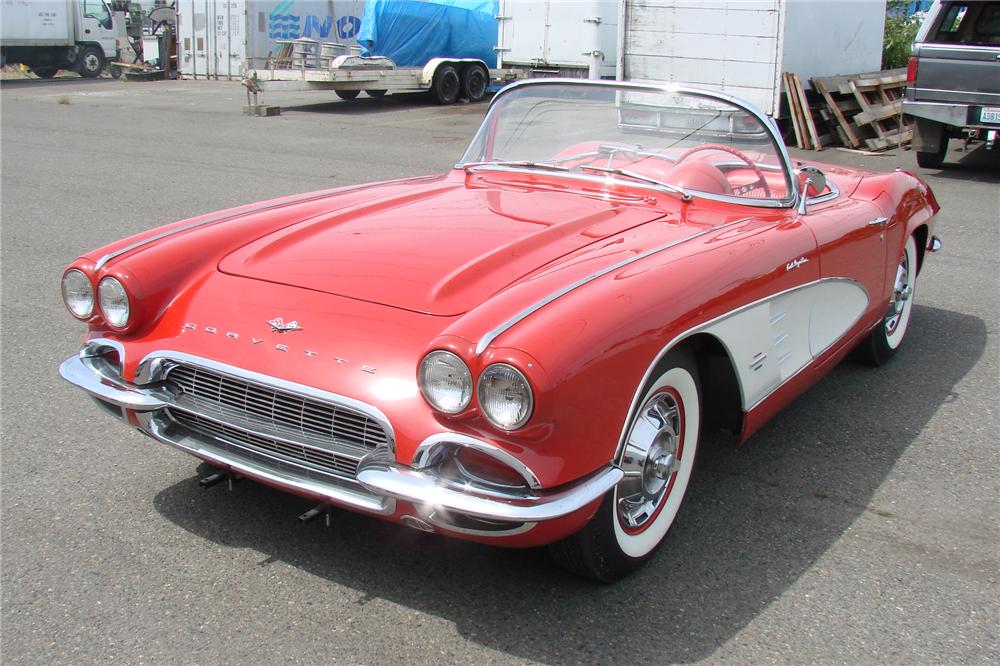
column 886, row 338
column 658, row 460
column 44, row 71
column 377, row 94
column 91, row 63
column 446, row 85
column 933, row 160
column 347, row 94
column 475, row 78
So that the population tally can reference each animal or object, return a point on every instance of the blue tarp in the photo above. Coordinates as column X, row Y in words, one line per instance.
column 411, row 32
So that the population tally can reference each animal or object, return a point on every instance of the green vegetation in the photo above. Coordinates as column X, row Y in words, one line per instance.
column 900, row 30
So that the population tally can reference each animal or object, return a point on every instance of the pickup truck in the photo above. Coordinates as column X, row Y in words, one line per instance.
column 953, row 77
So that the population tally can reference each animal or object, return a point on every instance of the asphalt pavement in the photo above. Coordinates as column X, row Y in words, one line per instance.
column 859, row 526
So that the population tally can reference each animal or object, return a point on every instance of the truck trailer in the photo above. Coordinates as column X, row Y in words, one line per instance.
column 49, row 35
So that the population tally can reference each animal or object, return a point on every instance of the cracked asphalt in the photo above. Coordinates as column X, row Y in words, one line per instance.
column 859, row 526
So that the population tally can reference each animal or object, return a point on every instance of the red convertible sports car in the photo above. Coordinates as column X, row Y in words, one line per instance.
column 521, row 351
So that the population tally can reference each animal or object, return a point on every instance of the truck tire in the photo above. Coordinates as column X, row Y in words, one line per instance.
column 115, row 71
column 933, row 160
column 91, row 62
column 377, row 94
column 44, row 71
column 347, row 94
column 475, row 78
column 446, row 85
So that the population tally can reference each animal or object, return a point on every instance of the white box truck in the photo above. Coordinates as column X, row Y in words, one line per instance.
column 743, row 46
column 49, row 35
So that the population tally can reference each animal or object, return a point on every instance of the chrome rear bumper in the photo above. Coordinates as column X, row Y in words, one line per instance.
column 380, row 480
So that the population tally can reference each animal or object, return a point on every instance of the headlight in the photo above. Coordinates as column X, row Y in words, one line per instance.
column 445, row 382
column 114, row 301
column 505, row 396
column 78, row 294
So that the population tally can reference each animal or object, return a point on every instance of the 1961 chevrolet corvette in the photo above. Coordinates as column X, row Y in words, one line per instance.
column 524, row 350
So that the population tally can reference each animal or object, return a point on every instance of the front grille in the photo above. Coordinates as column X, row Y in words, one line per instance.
column 244, row 441
column 260, row 408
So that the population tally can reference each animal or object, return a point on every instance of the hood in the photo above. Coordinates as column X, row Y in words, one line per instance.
column 441, row 249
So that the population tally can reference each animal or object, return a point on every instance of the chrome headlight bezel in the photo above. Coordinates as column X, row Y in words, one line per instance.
column 485, row 394
column 113, row 299
column 84, row 289
column 436, row 360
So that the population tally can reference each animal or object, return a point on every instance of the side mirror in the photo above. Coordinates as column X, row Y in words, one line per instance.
column 811, row 182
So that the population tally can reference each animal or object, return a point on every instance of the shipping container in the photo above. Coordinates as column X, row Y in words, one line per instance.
column 222, row 38
column 743, row 46
column 565, row 37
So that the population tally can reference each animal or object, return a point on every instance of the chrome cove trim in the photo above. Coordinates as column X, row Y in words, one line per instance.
column 219, row 217
column 155, row 365
column 637, row 396
column 493, row 334
column 441, row 520
column 425, row 457
column 159, row 428
column 383, row 476
column 764, row 120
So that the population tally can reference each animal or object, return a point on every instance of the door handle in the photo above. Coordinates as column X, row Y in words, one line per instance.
column 87, row 31
column 878, row 221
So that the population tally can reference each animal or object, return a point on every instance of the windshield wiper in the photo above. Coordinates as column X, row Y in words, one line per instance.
column 517, row 163
column 685, row 195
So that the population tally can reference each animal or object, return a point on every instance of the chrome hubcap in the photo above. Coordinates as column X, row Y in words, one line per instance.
column 650, row 461
column 901, row 293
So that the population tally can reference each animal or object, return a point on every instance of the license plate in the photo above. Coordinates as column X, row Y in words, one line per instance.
column 989, row 114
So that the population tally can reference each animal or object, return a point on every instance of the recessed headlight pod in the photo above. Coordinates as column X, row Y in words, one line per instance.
column 505, row 396
column 445, row 382
column 78, row 294
column 114, row 302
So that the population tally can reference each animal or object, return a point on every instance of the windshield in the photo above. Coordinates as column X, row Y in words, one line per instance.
column 690, row 142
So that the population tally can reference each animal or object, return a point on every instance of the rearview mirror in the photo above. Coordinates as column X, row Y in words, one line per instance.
column 815, row 178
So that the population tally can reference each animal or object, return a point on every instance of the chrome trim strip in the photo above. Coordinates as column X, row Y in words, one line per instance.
column 523, row 314
column 433, row 517
column 218, row 217
column 155, row 364
column 384, row 477
column 602, row 180
column 152, row 426
column 700, row 327
column 424, row 455
column 768, row 124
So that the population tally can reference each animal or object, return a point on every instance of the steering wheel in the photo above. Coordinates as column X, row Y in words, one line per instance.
column 744, row 189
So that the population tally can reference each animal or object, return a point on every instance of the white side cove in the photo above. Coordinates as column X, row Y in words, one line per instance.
column 772, row 340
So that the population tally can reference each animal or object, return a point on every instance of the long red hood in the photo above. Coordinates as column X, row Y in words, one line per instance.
column 441, row 251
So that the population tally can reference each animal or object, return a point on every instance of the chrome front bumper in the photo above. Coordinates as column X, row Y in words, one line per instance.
column 380, row 480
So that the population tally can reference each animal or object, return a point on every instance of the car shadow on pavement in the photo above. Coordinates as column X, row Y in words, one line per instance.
column 976, row 165
column 756, row 518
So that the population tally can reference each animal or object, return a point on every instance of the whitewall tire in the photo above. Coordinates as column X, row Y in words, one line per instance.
column 658, row 459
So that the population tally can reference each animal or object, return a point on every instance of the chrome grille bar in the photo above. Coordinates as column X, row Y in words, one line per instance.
column 260, row 408
column 323, row 461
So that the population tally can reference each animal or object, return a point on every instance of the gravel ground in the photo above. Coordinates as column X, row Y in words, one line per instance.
column 859, row 526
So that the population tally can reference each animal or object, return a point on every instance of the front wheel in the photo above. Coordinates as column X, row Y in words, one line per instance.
column 883, row 341
column 658, row 459
column 91, row 63
column 347, row 94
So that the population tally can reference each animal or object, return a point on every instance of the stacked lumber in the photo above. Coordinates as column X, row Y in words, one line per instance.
column 865, row 110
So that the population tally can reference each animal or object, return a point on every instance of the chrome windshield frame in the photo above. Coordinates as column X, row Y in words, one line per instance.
column 781, row 151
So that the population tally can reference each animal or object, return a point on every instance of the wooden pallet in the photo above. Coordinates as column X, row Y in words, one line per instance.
column 802, row 112
column 865, row 110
